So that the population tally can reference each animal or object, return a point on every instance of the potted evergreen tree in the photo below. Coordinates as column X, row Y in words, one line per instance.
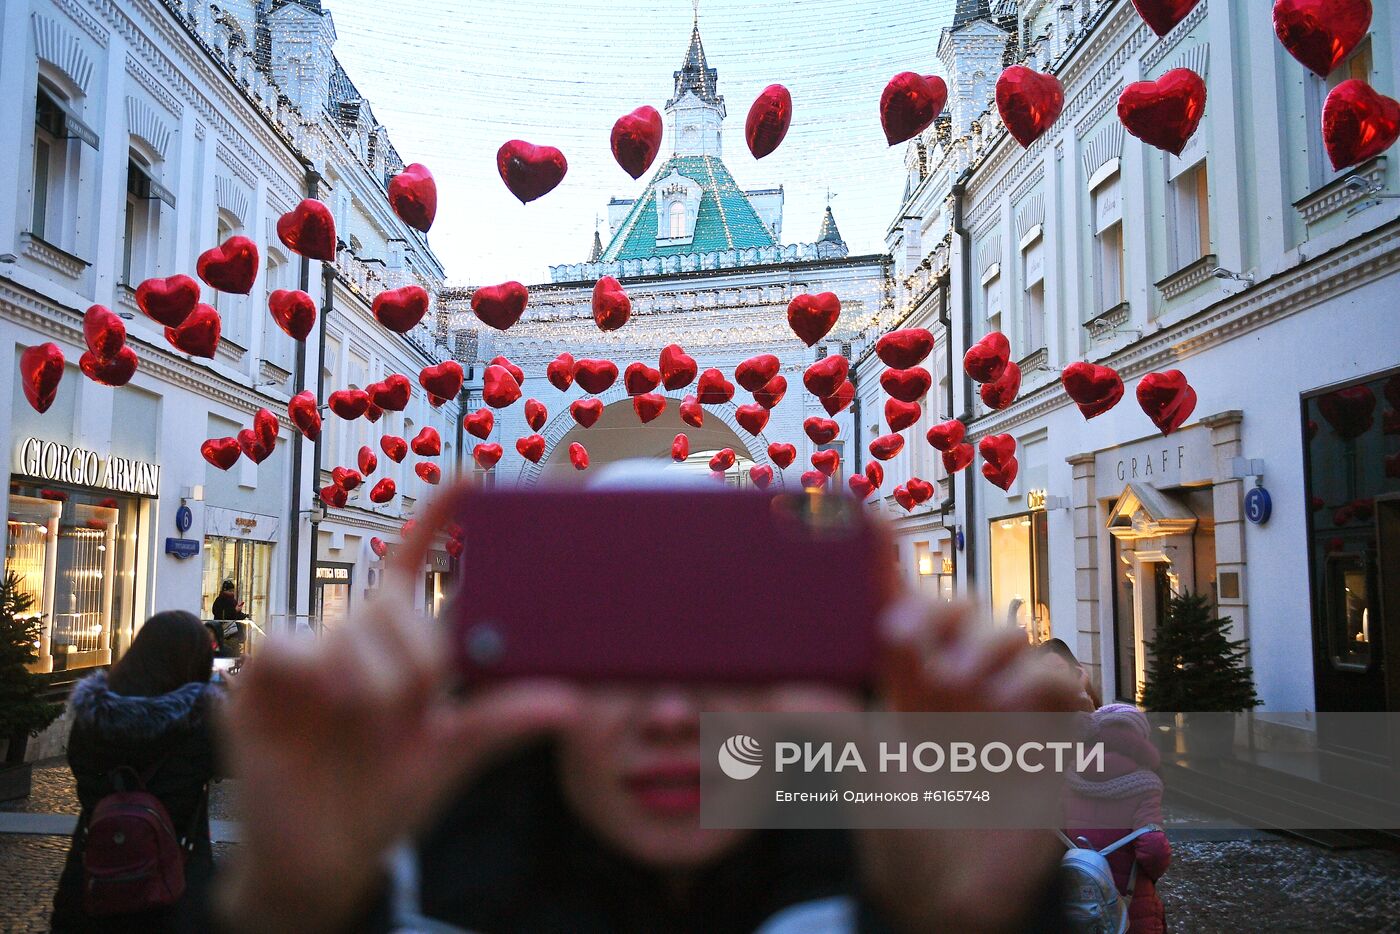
column 1194, row 667
column 23, row 713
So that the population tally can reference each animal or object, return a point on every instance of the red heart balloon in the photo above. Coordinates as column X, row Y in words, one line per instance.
column 860, row 486
column 294, row 311
column 479, row 423
column 413, row 196
column 1163, row 15
column 383, row 491
column 252, row 448
column 1029, row 102
column 373, row 413
column 515, row 371
column 713, row 388
column 648, row 406
column 904, row 498
column 723, row 460
column 909, row 385
column 487, row 455
column 103, row 332
column 840, row 399
column 500, row 306
column 691, row 412
column 753, row 417
column 223, row 453
column 1164, row 113
column 560, row 372
column 761, row 476
column 394, row 448
column 611, row 306
column 454, row 547
column 875, row 473
column 230, row 267
column 770, row 115
column 771, row 394
column 443, row 380
column 305, row 414
column 680, row 448
column 530, row 171
column 535, row 414
column 595, row 376
column 909, row 105
column 367, row 460
column 946, row 435
column 821, row 430
column 886, row 447
column 1358, row 123
column 1350, row 411
column 1002, row 393
column 824, row 377
column 997, row 449
column 349, row 404
column 900, row 415
column 427, row 443
column 901, row 350
column 406, row 530
column 678, row 368
column 986, row 360
column 115, row 370
column 578, row 456
column 198, row 336
column 957, row 458
column 812, row 317
column 499, row 388
column 345, row 478
column 828, row 462
column 309, row 230
column 756, row 372
column 636, row 139
column 782, row 454
column 266, row 426
column 436, row 401
column 920, row 490
column 377, row 546
column 1167, row 399
column 531, row 447
column 1095, row 389
column 814, row 481
column 392, row 393
column 401, row 309
column 1003, row 474
column 1321, row 33
column 334, row 496
column 586, row 411
column 168, row 301
column 640, row 378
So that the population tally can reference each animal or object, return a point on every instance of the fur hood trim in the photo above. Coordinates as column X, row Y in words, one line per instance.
column 136, row 719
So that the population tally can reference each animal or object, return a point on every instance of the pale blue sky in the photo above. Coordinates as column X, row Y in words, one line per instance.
column 453, row 79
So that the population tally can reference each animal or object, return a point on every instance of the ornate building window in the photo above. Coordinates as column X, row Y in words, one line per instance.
column 677, row 214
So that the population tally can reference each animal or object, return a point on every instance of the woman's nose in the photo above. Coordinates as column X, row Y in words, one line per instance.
column 671, row 714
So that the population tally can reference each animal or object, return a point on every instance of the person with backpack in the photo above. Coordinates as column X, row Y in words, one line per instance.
column 142, row 753
column 1117, row 848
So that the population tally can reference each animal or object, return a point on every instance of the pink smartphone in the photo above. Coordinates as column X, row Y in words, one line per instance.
column 689, row 585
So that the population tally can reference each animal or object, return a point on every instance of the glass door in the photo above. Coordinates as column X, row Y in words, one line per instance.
column 248, row 565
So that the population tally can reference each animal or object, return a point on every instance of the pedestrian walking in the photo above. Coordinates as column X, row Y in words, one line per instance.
column 1105, row 808
column 230, row 632
column 142, row 754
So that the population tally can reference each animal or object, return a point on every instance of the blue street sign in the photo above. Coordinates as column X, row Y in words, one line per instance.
column 182, row 547
column 183, row 519
column 1258, row 505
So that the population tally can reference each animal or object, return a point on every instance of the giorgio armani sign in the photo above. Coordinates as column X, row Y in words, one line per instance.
column 60, row 463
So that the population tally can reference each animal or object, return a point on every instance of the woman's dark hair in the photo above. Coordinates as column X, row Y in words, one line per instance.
column 172, row 649
column 228, row 585
column 1059, row 649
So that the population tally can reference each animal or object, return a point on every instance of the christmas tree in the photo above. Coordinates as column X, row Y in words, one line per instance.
column 21, row 710
column 1193, row 664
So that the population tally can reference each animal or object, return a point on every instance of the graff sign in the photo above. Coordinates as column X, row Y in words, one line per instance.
column 49, row 460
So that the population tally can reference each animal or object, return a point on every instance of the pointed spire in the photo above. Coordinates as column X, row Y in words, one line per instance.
column 969, row 10
column 829, row 233
column 597, row 253
column 696, row 76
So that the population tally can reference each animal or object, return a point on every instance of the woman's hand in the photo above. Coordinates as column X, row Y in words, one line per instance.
column 943, row 659
column 346, row 745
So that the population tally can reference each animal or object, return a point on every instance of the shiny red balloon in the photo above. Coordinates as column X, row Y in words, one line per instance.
column 678, row 368
column 309, row 230
column 1095, row 389
column 636, row 139
column 909, row 105
column 1163, row 15
column 401, row 309
column 713, row 388
column 479, row 423
column 648, row 406
column 500, row 306
column 753, row 417
column 535, row 414
column 578, row 456
column 198, row 334
column 1167, row 398
column 769, row 118
column 782, row 454
column 901, row 350
column 530, row 171
column 294, row 312
column 812, row 317
column 499, row 388
column 586, row 411
column 1321, row 33
column 222, row 453
column 168, row 301
column 305, row 415
column 231, row 267
column 1002, row 393
column 103, row 332
column 115, row 370
column 348, row 404
column 560, row 372
column 680, row 448
column 413, row 196
column 595, row 376
column 986, row 360
column 1358, row 123
column 443, row 380
column 611, row 306
column 1164, row 113
column 1029, row 102
column 530, row 447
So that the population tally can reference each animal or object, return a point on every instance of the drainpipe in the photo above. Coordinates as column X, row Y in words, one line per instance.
column 299, row 384
column 855, row 421
column 328, row 277
column 965, row 296
column 945, row 319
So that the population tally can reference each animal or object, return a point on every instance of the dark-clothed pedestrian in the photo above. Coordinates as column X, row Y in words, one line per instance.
column 145, row 725
column 229, row 629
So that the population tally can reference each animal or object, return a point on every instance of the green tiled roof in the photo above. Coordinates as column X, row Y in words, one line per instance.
column 726, row 221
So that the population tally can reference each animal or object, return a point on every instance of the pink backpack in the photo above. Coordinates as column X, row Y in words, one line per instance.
column 133, row 860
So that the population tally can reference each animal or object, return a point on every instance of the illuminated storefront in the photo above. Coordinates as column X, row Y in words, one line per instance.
column 1020, row 562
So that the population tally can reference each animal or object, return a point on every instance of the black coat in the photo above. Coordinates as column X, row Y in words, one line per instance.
column 112, row 730
column 226, row 607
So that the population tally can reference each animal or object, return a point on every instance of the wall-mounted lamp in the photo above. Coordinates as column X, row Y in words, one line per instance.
column 1242, row 468
column 195, row 493
column 1220, row 272
column 1356, row 184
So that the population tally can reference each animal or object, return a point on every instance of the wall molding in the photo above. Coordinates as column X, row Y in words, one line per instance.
column 60, row 47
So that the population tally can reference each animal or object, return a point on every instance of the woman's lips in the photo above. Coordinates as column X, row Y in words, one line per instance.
column 669, row 790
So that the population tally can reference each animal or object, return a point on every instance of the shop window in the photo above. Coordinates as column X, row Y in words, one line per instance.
column 1188, row 202
column 249, row 565
column 1348, row 611
column 1020, row 556
column 1358, row 65
column 74, row 552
